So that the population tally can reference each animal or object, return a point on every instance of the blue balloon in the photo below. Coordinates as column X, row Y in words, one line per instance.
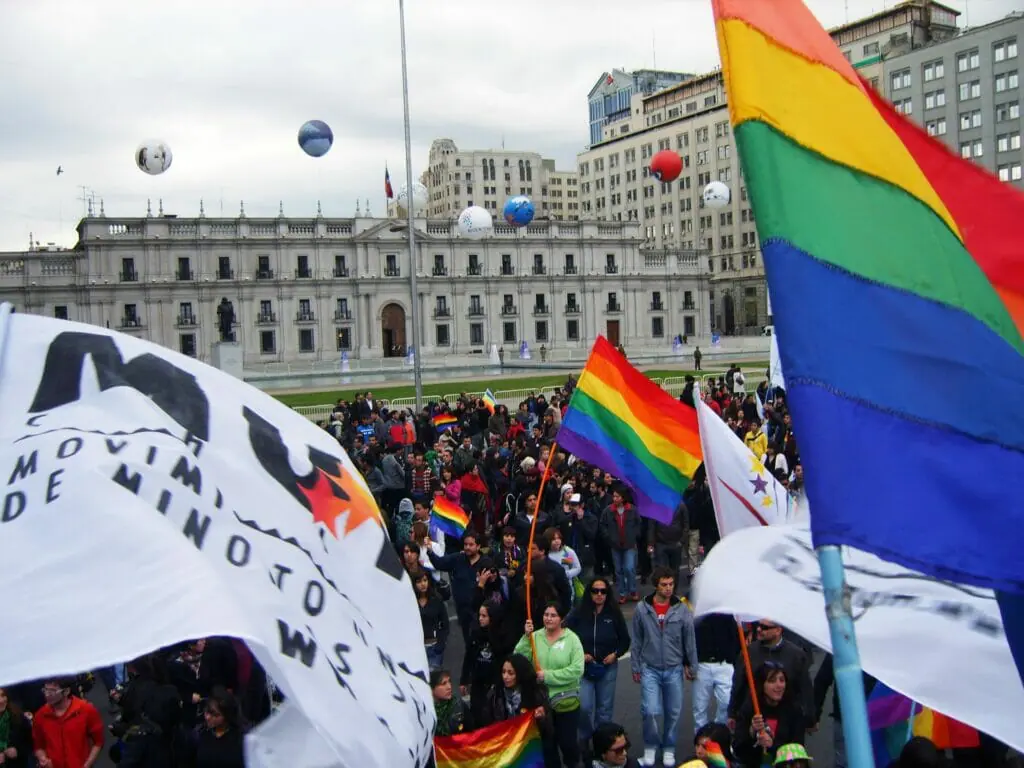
column 518, row 211
column 316, row 138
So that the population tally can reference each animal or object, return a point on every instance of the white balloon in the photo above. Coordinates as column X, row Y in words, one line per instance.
column 716, row 195
column 419, row 197
column 475, row 222
column 153, row 157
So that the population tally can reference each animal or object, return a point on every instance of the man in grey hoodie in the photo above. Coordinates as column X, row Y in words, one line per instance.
column 664, row 649
column 393, row 470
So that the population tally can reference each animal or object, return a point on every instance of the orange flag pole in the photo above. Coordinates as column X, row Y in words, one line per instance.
column 746, row 664
column 529, row 546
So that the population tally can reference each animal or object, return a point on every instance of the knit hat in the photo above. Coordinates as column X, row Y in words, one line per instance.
column 694, row 764
column 788, row 752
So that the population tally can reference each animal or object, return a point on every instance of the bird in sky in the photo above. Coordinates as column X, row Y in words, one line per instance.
column 60, row 169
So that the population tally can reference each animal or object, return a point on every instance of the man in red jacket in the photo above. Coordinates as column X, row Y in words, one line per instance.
column 67, row 732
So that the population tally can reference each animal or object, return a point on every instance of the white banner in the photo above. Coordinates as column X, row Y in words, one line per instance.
column 151, row 499
column 776, row 378
column 940, row 644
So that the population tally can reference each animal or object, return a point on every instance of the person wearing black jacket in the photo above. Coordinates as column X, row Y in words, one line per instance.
column 465, row 568
column 489, row 643
column 665, row 541
column 579, row 531
column 718, row 645
column 773, row 648
column 602, row 630
column 15, row 733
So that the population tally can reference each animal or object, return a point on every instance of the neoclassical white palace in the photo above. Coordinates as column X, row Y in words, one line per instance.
column 308, row 289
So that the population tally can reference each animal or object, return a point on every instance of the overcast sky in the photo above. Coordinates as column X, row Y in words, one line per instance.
column 228, row 83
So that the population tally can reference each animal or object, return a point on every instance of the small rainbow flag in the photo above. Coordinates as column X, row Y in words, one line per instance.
column 511, row 743
column 714, row 756
column 449, row 517
column 444, row 421
column 889, row 716
column 489, row 402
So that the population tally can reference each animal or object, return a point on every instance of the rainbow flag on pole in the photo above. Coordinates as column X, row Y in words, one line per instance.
column 624, row 423
column 489, row 401
column 449, row 517
column 897, row 280
column 444, row 421
column 889, row 716
column 506, row 744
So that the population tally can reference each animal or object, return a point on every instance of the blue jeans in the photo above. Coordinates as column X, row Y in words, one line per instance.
column 597, row 700
column 625, row 570
column 661, row 694
column 435, row 656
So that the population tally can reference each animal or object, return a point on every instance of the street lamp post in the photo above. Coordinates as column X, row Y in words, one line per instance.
column 417, row 375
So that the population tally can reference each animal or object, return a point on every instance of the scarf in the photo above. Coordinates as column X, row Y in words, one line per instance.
column 444, row 708
column 5, row 729
column 513, row 701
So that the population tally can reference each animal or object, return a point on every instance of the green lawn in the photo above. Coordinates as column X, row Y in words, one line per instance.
column 434, row 389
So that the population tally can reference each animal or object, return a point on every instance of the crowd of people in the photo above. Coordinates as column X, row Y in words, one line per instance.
column 552, row 585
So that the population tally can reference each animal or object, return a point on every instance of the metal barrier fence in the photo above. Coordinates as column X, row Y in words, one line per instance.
column 510, row 398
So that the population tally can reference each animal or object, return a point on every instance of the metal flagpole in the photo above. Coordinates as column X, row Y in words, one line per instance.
column 417, row 374
column 849, row 678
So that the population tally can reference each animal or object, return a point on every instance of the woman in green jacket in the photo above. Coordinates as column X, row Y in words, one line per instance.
column 559, row 663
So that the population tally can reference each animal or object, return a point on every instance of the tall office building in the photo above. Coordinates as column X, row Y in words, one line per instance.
column 692, row 118
column 966, row 90
column 610, row 99
column 488, row 177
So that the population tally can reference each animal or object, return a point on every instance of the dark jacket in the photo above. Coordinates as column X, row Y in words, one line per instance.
column 718, row 640
column 600, row 633
column 626, row 539
column 495, row 710
column 789, row 728
column 794, row 661
column 19, row 736
column 464, row 575
column 580, row 534
column 668, row 534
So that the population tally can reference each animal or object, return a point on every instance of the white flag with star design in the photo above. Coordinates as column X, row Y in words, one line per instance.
column 744, row 492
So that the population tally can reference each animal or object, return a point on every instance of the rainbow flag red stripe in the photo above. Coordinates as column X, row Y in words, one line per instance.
column 507, row 744
column 715, row 758
column 449, row 517
column 443, row 421
column 489, row 401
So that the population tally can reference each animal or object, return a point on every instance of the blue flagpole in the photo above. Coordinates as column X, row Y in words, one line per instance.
column 846, row 660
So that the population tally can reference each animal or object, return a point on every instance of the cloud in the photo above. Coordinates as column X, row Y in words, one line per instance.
column 227, row 85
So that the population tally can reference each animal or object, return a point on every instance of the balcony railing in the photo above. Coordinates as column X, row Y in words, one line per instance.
column 129, row 276
column 303, row 273
column 539, row 269
column 264, row 274
column 392, row 272
column 225, row 274
column 541, row 309
column 342, row 315
column 509, row 309
column 689, row 305
column 187, row 321
column 613, row 308
column 657, row 306
column 570, row 269
column 440, row 272
column 475, row 312
column 442, row 312
column 185, row 274
column 307, row 316
column 611, row 269
column 341, row 271
column 265, row 318
column 473, row 270
column 572, row 309
column 507, row 269
column 131, row 322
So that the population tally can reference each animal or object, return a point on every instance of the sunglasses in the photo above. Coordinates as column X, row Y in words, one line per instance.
column 620, row 750
column 765, row 628
column 598, row 591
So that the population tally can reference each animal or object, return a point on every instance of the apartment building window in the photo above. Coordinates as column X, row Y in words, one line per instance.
column 871, row 49
column 508, row 333
column 969, row 149
column 441, row 306
column 268, row 342
column 185, row 315
column 656, row 305
column 570, row 303
column 60, row 312
column 263, row 270
column 689, row 325
column 344, row 339
column 266, row 314
column 1008, row 142
column 1006, row 49
column 508, row 306
column 538, row 264
column 610, row 267
column 725, row 219
column 724, row 151
column 570, row 264
column 306, row 339
column 474, row 264
column 688, row 299
column 506, row 264
column 900, row 79
column 1011, row 172
column 658, row 327
column 130, row 318
column 184, row 268
column 971, row 90
column 613, row 302
column 541, row 330
column 572, row 330
column 476, row 334
column 1009, row 110
column 439, row 267
column 442, row 335
column 305, row 310
column 540, row 304
column 972, row 119
column 904, row 106
column 934, row 70
column 934, row 99
column 702, row 157
column 968, row 60
column 341, row 311
column 224, row 268
column 476, row 307
column 1008, row 81
column 187, row 344
column 936, row 127
column 340, row 268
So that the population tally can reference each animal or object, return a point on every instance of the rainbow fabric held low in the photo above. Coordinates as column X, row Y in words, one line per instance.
column 507, row 744
column 889, row 720
column 896, row 272
column 714, row 756
column 624, row 423
column 449, row 517
column 444, row 421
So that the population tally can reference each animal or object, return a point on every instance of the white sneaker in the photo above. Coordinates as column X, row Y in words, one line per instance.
column 668, row 757
column 648, row 759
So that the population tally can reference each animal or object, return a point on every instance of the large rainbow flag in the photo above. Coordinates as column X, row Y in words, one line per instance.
column 889, row 716
column 896, row 272
column 507, row 744
column 624, row 423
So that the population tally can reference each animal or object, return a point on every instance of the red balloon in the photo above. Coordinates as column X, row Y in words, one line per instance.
column 666, row 165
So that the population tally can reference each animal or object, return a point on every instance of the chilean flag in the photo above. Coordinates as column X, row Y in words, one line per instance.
column 388, row 191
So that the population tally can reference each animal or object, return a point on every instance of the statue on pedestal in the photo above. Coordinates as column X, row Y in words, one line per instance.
column 226, row 319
